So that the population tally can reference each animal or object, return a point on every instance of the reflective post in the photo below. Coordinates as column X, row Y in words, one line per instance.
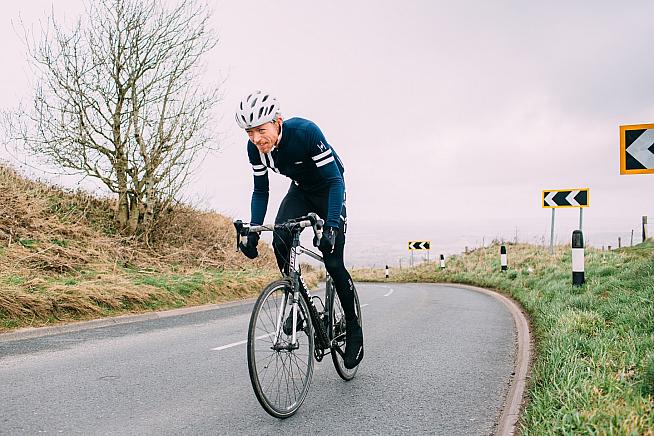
column 387, row 272
column 503, row 259
column 577, row 258
column 442, row 262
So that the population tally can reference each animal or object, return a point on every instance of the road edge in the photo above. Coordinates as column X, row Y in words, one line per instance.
column 517, row 386
column 75, row 326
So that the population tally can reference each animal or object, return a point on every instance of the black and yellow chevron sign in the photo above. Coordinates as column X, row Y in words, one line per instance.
column 419, row 245
column 566, row 198
column 637, row 149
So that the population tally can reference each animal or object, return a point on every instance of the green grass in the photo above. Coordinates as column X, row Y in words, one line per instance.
column 176, row 284
column 14, row 280
column 60, row 242
column 27, row 243
column 593, row 371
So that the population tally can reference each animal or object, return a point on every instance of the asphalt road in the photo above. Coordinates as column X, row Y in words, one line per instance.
column 438, row 360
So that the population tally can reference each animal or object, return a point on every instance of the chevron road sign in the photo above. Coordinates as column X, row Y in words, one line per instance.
column 637, row 149
column 419, row 245
column 566, row 198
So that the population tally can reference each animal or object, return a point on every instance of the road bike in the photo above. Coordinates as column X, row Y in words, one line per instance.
column 288, row 329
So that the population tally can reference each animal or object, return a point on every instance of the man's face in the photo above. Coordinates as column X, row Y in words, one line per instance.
column 264, row 136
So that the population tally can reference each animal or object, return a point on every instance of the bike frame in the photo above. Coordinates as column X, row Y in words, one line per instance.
column 300, row 290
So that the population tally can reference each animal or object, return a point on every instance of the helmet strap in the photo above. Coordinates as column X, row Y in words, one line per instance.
column 279, row 136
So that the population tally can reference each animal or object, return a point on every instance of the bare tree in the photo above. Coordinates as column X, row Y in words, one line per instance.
column 118, row 98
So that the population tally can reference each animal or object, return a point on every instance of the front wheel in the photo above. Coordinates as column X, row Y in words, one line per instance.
column 338, row 327
column 280, row 371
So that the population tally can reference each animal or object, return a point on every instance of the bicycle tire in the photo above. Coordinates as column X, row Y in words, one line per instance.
column 337, row 329
column 280, row 378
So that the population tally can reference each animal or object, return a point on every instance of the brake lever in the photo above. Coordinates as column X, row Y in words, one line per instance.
column 318, row 225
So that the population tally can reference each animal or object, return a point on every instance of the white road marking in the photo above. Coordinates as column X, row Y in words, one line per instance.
column 389, row 292
column 234, row 344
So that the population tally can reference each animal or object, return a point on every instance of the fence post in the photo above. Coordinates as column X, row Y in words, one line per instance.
column 577, row 258
column 503, row 260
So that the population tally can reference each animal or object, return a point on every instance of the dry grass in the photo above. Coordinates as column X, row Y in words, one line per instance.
column 61, row 258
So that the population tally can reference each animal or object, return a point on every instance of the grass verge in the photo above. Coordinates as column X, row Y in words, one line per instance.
column 593, row 371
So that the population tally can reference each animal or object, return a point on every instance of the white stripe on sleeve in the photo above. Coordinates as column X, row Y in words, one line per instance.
column 321, row 155
column 325, row 162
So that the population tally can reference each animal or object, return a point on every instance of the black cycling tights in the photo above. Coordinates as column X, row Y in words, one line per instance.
column 298, row 203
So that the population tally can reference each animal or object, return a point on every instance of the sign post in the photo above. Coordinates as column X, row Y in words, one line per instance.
column 645, row 233
column 419, row 245
column 581, row 219
column 637, row 153
column 552, row 233
column 560, row 198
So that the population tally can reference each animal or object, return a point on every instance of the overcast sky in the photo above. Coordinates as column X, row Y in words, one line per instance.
column 455, row 115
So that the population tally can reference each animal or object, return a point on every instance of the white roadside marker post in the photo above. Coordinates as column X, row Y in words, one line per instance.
column 503, row 259
column 578, row 258
column 387, row 272
column 442, row 262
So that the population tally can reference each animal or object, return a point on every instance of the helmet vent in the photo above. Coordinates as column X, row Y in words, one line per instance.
column 257, row 109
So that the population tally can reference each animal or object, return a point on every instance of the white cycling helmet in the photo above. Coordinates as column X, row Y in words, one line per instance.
column 256, row 109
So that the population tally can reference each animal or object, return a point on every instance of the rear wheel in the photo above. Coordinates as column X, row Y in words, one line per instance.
column 280, row 372
column 338, row 328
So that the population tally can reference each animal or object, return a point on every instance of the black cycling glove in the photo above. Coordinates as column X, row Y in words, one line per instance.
column 328, row 240
column 250, row 247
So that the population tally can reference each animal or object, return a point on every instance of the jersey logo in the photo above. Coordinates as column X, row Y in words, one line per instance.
column 298, row 163
column 322, row 146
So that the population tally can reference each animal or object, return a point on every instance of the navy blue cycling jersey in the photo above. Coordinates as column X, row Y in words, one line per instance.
column 304, row 156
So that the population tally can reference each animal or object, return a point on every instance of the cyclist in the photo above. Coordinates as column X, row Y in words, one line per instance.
column 297, row 149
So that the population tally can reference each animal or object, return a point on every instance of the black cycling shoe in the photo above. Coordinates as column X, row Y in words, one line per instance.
column 288, row 324
column 353, row 346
